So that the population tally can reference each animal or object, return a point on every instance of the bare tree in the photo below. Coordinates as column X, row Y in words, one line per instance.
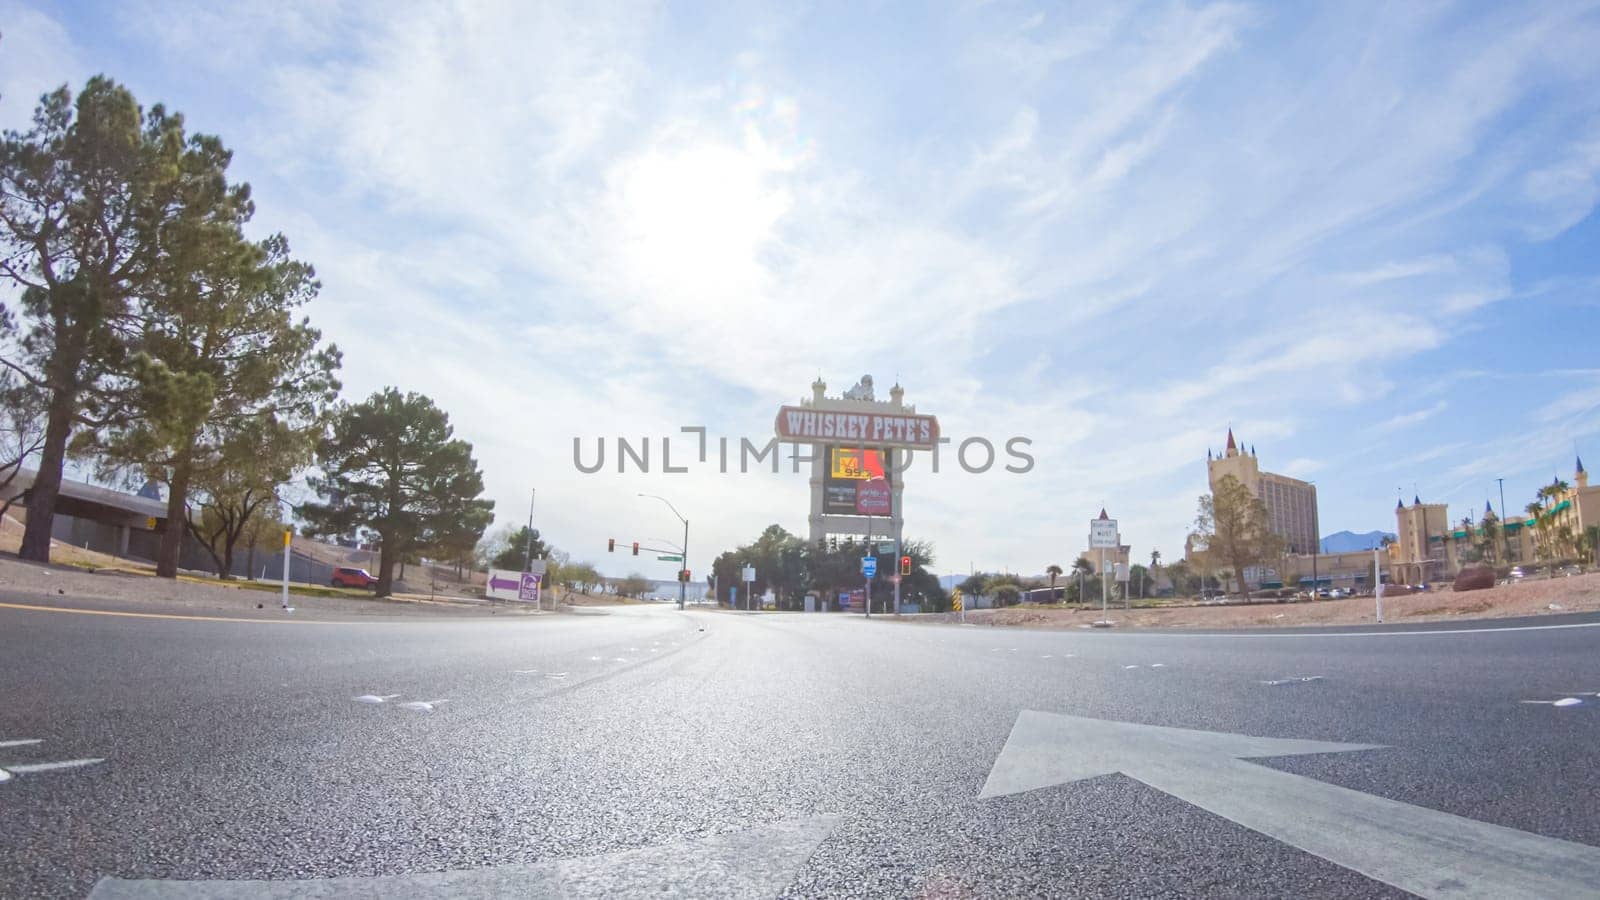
column 21, row 433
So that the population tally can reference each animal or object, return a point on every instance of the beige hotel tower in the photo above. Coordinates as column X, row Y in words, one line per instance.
column 1291, row 503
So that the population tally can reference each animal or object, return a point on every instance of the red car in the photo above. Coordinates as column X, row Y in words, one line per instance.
column 352, row 578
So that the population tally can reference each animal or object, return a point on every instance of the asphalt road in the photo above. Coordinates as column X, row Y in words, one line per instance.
column 649, row 750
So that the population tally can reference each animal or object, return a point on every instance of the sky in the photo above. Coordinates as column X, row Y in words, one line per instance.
column 1362, row 235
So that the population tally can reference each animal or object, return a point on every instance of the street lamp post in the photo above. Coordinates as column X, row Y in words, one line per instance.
column 684, row 562
column 1505, row 542
column 1316, row 543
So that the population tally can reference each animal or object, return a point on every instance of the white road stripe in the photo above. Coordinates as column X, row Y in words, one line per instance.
column 21, row 743
column 52, row 766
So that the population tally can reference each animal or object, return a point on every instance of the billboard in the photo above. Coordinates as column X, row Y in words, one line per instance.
column 873, row 429
column 504, row 584
column 857, row 482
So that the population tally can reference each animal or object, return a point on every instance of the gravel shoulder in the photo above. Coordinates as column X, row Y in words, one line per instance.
column 1580, row 593
column 133, row 590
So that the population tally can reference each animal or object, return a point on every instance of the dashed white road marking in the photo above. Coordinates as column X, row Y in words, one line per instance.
column 1564, row 701
column 422, row 705
column 374, row 698
column 52, row 766
column 22, row 742
column 1293, row 679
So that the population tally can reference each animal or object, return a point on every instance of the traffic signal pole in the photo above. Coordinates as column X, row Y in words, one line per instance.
column 888, row 465
column 868, row 600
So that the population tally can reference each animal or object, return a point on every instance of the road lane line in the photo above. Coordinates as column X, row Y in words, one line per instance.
column 21, row 743
column 759, row 862
column 51, row 766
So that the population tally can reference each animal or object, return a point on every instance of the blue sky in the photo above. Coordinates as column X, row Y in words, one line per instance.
column 1364, row 235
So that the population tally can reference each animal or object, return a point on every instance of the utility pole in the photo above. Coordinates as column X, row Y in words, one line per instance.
column 1316, row 543
column 527, row 552
column 864, row 578
column 1505, row 542
column 683, row 586
column 1105, row 588
column 889, row 473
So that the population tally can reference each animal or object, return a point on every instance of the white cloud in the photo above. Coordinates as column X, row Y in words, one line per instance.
column 37, row 55
column 1406, row 420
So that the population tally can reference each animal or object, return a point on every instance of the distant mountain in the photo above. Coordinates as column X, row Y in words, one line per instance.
column 1350, row 542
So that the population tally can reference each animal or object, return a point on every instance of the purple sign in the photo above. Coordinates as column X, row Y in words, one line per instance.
column 529, row 589
column 873, row 498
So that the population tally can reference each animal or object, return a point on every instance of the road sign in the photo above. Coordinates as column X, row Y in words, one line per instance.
column 749, row 573
column 1122, row 572
column 1409, row 847
column 955, row 600
column 529, row 587
column 1103, row 534
column 670, row 558
column 869, row 566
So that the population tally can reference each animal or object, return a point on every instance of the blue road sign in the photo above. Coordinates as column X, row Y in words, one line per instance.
column 869, row 566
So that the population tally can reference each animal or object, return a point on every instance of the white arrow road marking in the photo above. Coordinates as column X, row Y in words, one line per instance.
column 1426, row 852
column 758, row 862
column 22, row 742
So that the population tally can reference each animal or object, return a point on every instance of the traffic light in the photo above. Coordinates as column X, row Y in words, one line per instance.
column 611, row 545
column 905, row 565
column 833, row 544
column 635, row 548
column 683, row 575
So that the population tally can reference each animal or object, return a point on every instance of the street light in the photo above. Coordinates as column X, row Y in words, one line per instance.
column 684, row 562
column 1316, row 544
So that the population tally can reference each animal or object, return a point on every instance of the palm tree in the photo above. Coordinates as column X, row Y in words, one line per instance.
column 1054, row 571
column 1541, row 519
column 1083, row 567
column 1589, row 543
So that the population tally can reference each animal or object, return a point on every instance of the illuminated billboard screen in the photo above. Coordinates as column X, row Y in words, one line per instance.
column 856, row 484
column 848, row 464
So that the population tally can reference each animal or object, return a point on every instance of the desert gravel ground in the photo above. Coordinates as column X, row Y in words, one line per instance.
column 1580, row 593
